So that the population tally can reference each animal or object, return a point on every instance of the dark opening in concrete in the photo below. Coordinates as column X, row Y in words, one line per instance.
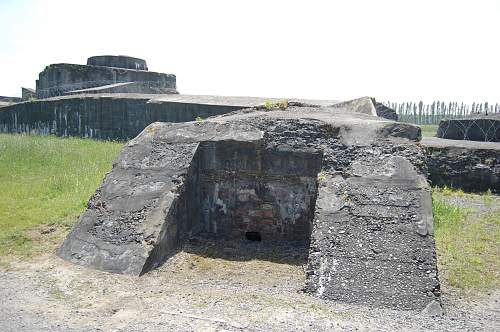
column 244, row 190
column 253, row 236
column 240, row 192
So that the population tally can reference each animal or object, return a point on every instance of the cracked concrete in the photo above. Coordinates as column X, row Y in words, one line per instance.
column 368, row 220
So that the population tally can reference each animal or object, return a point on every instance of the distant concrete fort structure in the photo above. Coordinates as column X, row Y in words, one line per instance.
column 106, row 73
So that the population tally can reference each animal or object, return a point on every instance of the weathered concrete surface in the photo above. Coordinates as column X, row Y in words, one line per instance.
column 367, row 105
column 126, row 87
column 370, row 219
column 118, row 61
column 28, row 94
column 469, row 165
column 385, row 112
column 372, row 238
column 56, row 79
column 124, row 115
column 106, row 116
column 477, row 127
column 7, row 99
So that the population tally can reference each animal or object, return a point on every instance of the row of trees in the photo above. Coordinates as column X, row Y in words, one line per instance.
column 420, row 113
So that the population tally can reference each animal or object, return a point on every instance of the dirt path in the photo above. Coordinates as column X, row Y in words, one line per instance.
column 193, row 292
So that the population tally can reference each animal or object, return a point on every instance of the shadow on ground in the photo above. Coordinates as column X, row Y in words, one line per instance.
column 290, row 252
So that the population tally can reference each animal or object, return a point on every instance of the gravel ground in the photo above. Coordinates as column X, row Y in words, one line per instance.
column 478, row 204
column 214, row 286
column 207, row 287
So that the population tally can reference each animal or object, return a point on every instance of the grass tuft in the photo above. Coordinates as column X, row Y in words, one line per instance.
column 270, row 105
column 429, row 130
column 447, row 191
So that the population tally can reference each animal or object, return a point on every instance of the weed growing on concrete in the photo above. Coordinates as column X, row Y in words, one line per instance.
column 269, row 105
column 321, row 176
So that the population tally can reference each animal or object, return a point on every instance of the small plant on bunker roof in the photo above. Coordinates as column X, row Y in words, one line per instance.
column 283, row 104
column 269, row 105
column 199, row 119
column 322, row 176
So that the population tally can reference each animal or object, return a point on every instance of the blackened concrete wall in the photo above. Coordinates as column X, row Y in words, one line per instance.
column 109, row 117
column 468, row 165
column 28, row 94
column 478, row 127
column 57, row 79
column 119, row 61
column 10, row 99
column 245, row 188
column 126, row 87
column 97, row 113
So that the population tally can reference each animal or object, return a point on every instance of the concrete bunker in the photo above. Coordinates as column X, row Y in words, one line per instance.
column 465, row 153
column 475, row 127
column 351, row 185
column 103, row 74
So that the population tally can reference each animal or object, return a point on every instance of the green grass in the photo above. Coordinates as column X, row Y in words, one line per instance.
column 46, row 180
column 467, row 244
column 429, row 130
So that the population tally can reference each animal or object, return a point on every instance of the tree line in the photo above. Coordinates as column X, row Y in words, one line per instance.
column 420, row 113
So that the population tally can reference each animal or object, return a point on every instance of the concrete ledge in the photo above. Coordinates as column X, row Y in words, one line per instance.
column 122, row 116
column 469, row 165
column 126, row 87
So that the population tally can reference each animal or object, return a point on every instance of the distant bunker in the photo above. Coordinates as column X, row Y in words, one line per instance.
column 349, row 184
column 116, row 74
column 466, row 153
column 476, row 127
column 469, row 165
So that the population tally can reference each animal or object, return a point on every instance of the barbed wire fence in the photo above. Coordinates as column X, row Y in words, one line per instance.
column 474, row 129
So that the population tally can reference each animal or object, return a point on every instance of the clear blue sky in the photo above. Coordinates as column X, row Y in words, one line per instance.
column 396, row 50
